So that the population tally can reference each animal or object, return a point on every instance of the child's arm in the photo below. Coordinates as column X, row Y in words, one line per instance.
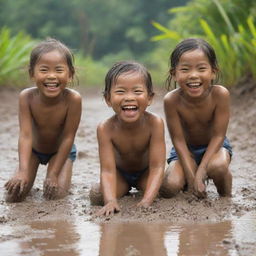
column 157, row 157
column 220, row 124
column 176, row 132
column 20, row 180
column 108, row 171
column 69, row 132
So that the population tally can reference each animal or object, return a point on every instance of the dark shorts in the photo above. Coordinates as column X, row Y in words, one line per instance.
column 198, row 151
column 132, row 178
column 45, row 158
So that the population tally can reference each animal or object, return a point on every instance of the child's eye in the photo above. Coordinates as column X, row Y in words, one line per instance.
column 138, row 91
column 43, row 70
column 202, row 68
column 119, row 91
column 59, row 70
column 184, row 69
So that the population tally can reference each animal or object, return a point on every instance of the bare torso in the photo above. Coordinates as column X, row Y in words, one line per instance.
column 196, row 118
column 48, row 120
column 131, row 144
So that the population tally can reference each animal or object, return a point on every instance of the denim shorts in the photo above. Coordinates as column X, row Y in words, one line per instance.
column 198, row 151
column 45, row 158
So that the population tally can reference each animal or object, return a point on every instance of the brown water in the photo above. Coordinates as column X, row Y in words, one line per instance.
column 129, row 239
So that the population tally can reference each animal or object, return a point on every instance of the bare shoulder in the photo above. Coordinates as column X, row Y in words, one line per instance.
column 153, row 119
column 73, row 95
column 154, row 123
column 220, row 91
column 172, row 97
column 28, row 93
column 104, row 127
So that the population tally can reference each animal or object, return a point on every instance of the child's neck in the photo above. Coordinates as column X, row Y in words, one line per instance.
column 50, row 101
column 198, row 100
column 131, row 126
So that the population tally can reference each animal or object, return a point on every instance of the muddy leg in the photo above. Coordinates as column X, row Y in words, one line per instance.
column 174, row 180
column 218, row 171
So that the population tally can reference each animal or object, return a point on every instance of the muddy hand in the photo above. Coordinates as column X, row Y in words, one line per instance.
column 143, row 204
column 16, row 186
column 109, row 209
column 200, row 189
column 50, row 188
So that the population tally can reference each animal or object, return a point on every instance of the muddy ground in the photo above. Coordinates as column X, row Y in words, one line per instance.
column 180, row 209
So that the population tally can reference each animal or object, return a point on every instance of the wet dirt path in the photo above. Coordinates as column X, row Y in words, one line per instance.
column 184, row 212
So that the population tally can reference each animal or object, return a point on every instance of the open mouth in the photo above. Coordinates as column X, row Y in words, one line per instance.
column 51, row 85
column 130, row 111
column 194, row 85
column 129, row 108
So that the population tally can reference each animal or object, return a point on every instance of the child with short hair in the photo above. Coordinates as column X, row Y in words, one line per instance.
column 49, row 115
column 197, row 116
column 131, row 142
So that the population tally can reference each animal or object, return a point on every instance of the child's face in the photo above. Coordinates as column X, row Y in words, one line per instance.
column 194, row 73
column 51, row 73
column 129, row 97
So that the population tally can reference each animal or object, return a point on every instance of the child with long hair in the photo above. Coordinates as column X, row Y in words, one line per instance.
column 197, row 116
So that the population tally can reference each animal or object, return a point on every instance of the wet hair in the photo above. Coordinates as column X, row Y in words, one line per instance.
column 190, row 44
column 49, row 45
column 125, row 67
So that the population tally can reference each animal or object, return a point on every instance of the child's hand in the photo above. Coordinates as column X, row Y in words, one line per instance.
column 109, row 209
column 143, row 204
column 51, row 187
column 17, row 185
column 199, row 186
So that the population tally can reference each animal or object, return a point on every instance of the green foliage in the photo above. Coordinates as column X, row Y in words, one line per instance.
column 89, row 72
column 14, row 54
column 97, row 27
column 225, row 24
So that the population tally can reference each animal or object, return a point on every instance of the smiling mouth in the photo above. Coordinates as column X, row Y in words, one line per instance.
column 129, row 108
column 194, row 85
column 51, row 85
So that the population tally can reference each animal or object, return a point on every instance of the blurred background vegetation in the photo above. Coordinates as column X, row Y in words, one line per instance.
column 101, row 32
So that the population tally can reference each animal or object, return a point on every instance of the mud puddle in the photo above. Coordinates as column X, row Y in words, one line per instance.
column 66, row 237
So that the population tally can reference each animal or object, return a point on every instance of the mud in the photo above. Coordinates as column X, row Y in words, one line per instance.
column 181, row 210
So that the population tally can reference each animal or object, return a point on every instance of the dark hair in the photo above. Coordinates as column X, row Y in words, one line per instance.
column 122, row 67
column 188, row 45
column 48, row 45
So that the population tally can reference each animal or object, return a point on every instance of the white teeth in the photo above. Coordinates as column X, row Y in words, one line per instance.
column 193, row 85
column 129, row 108
column 51, row 85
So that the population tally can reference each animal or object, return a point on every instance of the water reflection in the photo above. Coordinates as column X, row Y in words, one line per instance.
column 202, row 239
column 132, row 239
column 162, row 240
column 40, row 238
column 129, row 239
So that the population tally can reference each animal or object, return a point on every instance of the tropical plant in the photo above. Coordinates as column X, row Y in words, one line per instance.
column 14, row 55
column 226, row 26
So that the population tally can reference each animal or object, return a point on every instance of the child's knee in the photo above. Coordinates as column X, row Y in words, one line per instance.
column 170, row 189
column 95, row 195
column 218, row 169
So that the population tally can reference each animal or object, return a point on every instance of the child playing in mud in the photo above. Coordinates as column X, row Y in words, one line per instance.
column 197, row 116
column 131, row 142
column 49, row 115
